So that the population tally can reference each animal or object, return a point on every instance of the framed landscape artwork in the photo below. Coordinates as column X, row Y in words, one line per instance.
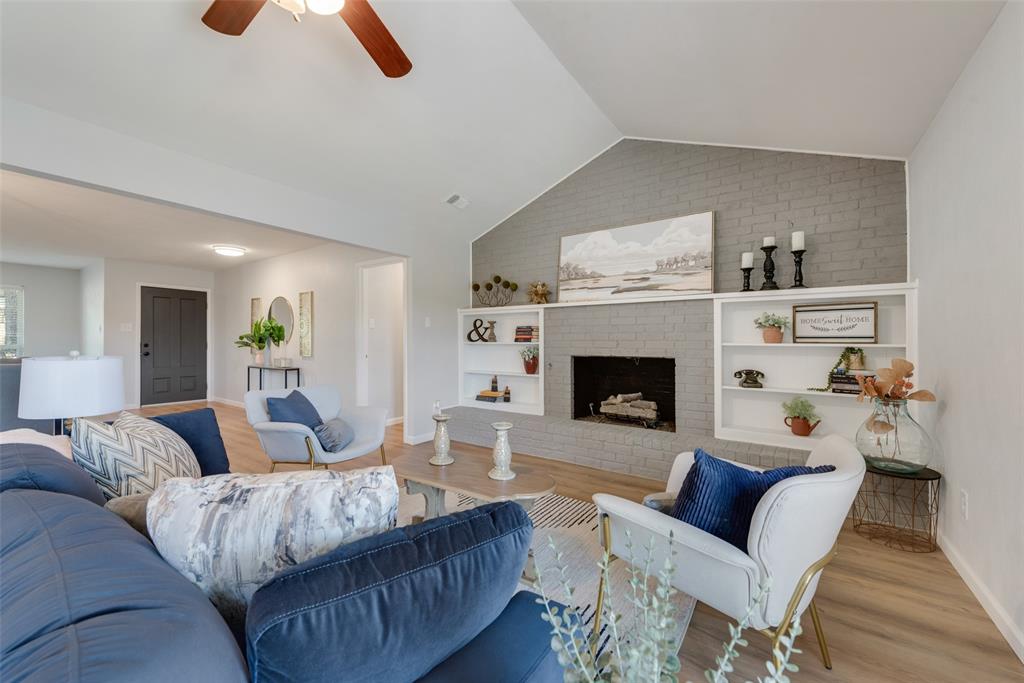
column 662, row 258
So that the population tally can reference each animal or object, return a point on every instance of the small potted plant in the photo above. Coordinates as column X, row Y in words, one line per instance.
column 531, row 358
column 263, row 332
column 771, row 326
column 800, row 415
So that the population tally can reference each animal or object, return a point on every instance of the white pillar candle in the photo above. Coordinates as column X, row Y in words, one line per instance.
column 747, row 260
column 798, row 240
column 769, row 241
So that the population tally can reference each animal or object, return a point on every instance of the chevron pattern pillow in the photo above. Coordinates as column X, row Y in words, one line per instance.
column 131, row 456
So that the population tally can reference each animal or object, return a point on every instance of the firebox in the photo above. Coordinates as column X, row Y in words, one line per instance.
column 632, row 391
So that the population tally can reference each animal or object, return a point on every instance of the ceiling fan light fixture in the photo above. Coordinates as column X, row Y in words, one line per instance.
column 296, row 7
column 228, row 250
column 325, row 7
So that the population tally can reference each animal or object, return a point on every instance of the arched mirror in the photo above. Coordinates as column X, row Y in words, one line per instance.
column 281, row 311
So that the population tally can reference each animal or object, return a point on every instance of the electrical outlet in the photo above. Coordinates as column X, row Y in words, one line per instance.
column 963, row 504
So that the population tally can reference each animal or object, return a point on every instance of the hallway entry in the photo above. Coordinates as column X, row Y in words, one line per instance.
column 380, row 350
column 172, row 353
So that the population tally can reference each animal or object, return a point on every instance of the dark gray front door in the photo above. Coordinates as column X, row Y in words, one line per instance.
column 173, row 352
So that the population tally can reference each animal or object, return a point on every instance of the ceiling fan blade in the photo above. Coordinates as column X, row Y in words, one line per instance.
column 376, row 38
column 231, row 17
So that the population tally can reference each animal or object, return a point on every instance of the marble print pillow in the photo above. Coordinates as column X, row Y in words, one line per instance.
column 230, row 533
column 132, row 456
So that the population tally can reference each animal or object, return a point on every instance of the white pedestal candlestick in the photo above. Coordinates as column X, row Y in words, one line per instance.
column 442, row 443
column 502, row 453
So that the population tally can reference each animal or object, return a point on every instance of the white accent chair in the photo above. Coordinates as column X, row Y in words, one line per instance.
column 792, row 537
column 289, row 442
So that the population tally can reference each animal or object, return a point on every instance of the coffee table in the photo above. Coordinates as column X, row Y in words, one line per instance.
column 468, row 476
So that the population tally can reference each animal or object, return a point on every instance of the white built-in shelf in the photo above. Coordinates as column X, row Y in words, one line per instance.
column 499, row 373
column 805, row 347
column 478, row 360
column 791, row 392
column 756, row 415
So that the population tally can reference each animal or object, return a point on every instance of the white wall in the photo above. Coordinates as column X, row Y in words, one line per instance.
column 92, row 289
column 967, row 247
column 329, row 271
column 37, row 140
column 52, row 302
column 121, row 305
column 383, row 327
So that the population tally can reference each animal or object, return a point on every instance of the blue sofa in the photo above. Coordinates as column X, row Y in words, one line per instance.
column 84, row 597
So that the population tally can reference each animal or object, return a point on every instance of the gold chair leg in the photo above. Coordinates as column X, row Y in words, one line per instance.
column 606, row 538
column 312, row 454
column 794, row 602
column 820, row 633
column 383, row 456
column 273, row 465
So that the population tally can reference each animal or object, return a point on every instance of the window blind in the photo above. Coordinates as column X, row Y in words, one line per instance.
column 12, row 321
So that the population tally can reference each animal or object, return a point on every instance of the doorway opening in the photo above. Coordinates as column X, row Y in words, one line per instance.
column 380, row 341
column 172, row 345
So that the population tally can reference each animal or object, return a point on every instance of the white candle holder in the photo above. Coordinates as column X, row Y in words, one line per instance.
column 442, row 443
column 502, row 453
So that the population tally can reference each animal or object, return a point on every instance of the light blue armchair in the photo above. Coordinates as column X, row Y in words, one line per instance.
column 288, row 442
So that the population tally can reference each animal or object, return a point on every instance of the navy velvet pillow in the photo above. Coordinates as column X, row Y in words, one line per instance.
column 32, row 466
column 390, row 607
column 200, row 431
column 719, row 497
column 294, row 407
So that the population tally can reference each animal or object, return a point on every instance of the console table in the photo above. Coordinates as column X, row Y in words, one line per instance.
column 899, row 510
column 262, row 368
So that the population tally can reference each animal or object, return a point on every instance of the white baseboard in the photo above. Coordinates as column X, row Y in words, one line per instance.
column 395, row 421
column 230, row 402
column 413, row 439
column 1013, row 634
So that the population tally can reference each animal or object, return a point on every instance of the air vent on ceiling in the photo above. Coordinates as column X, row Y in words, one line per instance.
column 458, row 201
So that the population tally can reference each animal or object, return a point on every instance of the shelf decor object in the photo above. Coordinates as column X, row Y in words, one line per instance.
column 531, row 356
column 442, row 442
column 747, row 266
column 771, row 326
column 497, row 291
column 769, row 264
column 799, row 416
column 852, row 323
column 502, row 453
column 899, row 511
column 798, row 263
column 891, row 439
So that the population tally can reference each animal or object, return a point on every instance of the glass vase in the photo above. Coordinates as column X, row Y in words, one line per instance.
column 891, row 440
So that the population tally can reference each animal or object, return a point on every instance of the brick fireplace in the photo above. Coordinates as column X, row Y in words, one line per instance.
column 625, row 390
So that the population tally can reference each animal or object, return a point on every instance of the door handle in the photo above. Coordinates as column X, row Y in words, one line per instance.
column 145, row 353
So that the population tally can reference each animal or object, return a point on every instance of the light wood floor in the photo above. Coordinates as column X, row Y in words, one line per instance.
column 888, row 615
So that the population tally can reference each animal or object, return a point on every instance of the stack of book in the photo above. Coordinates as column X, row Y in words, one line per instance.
column 846, row 382
column 491, row 396
column 527, row 334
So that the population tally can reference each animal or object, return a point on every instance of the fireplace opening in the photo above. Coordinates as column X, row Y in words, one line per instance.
column 631, row 391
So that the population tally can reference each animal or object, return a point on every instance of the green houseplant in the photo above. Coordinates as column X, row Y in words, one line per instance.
column 771, row 326
column 800, row 415
column 263, row 332
column 531, row 359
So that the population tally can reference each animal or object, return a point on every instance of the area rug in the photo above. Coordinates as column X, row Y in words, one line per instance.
column 572, row 525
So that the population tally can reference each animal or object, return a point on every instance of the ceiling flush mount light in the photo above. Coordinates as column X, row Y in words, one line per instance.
column 295, row 7
column 458, row 201
column 325, row 7
column 228, row 250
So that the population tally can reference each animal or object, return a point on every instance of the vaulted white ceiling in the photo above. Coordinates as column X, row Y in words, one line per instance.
column 861, row 77
column 503, row 100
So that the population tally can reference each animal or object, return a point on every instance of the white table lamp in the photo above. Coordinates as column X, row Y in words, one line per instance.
column 63, row 387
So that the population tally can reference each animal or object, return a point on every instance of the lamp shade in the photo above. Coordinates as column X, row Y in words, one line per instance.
column 56, row 387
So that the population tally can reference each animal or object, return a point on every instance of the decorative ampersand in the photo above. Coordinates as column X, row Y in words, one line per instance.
column 478, row 333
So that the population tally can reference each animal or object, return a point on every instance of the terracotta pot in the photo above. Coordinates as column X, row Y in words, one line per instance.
column 530, row 366
column 772, row 335
column 800, row 426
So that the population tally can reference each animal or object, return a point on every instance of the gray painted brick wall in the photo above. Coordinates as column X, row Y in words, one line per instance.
column 852, row 210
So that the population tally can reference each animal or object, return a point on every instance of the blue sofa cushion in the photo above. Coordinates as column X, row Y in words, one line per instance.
column 294, row 407
column 201, row 432
column 719, row 497
column 515, row 648
column 335, row 434
column 85, row 598
column 390, row 607
column 31, row 466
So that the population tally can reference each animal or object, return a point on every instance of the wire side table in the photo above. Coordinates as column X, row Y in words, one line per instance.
column 899, row 510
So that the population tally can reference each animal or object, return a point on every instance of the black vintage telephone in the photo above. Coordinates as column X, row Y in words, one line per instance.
column 750, row 378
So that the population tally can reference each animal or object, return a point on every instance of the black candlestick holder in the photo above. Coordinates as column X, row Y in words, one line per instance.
column 769, row 269
column 798, row 260
column 746, row 279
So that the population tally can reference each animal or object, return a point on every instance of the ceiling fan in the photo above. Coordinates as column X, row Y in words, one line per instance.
column 231, row 17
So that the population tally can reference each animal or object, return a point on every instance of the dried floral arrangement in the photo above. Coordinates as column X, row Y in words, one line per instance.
column 893, row 384
column 497, row 291
column 647, row 653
